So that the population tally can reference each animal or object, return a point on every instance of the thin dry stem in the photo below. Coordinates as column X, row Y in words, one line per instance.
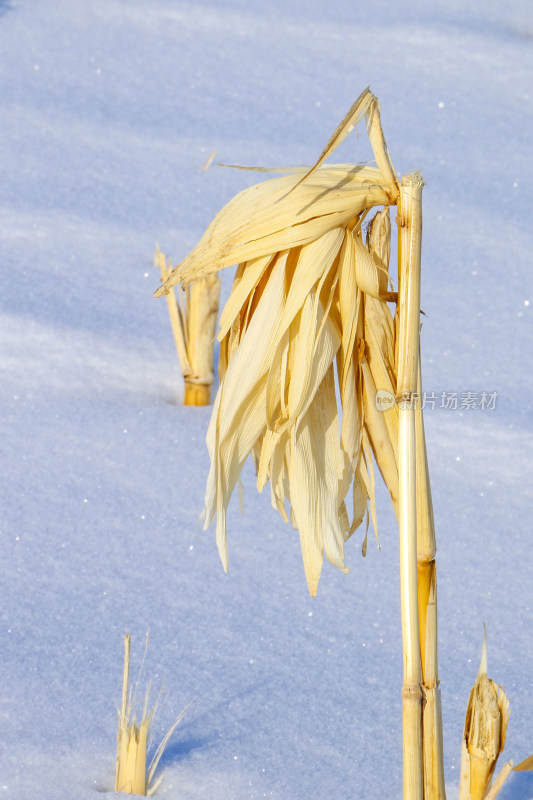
column 412, row 692
column 176, row 316
column 410, row 229
column 499, row 781
column 194, row 328
column 409, row 256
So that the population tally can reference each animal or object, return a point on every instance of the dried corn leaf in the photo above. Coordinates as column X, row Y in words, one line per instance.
column 343, row 129
column 308, row 296
column 314, row 472
column 525, row 766
column 264, row 219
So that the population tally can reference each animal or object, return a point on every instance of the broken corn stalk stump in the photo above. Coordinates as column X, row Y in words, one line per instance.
column 194, row 328
column 487, row 717
column 309, row 296
column 132, row 776
column 130, row 773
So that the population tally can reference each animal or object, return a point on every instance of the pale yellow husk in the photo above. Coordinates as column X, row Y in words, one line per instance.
column 306, row 341
column 281, row 213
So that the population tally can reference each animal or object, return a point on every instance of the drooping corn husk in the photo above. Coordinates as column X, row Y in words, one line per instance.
column 290, row 316
column 381, row 423
column 308, row 295
column 194, row 327
column 487, row 716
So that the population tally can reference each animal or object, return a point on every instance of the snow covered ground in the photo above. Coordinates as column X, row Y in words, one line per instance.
column 108, row 110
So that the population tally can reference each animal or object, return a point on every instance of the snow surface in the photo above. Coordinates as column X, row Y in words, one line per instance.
column 109, row 109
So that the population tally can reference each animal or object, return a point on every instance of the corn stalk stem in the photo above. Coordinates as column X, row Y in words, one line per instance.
column 176, row 316
column 412, row 673
column 202, row 311
column 409, row 255
column 194, row 326
column 197, row 394
column 409, row 251
column 434, row 788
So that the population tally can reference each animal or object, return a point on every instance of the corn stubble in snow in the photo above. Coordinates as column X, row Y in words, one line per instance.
column 193, row 318
column 487, row 717
column 310, row 297
column 133, row 774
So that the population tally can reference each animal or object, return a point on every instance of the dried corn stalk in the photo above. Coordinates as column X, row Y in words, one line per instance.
column 309, row 310
column 193, row 323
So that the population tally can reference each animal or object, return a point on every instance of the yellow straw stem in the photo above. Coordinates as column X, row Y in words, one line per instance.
column 202, row 311
column 197, row 394
column 434, row 788
column 499, row 781
column 409, row 256
column 130, row 773
column 410, row 229
column 176, row 318
column 194, row 329
column 412, row 675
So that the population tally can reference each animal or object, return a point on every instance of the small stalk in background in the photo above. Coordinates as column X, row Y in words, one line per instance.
column 194, row 327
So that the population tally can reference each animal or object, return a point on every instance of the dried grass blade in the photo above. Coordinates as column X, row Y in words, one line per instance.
column 376, row 428
column 246, row 280
column 176, row 316
column 343, row 129
column 238, row 414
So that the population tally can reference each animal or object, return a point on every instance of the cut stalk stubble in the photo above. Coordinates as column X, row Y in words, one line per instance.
column 131, row 773
column 193, row 322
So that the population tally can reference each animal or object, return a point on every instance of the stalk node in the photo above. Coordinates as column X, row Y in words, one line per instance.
column 410, row 691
